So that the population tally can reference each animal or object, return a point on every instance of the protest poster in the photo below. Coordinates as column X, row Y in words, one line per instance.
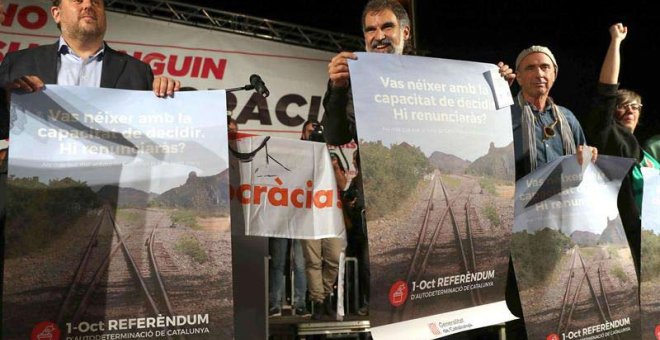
column 650, row 261
column 574, row 269
column 117, row 216
column 438, row 169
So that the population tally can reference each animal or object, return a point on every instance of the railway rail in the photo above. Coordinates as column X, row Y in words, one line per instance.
column 147, row 282
column 433, row 220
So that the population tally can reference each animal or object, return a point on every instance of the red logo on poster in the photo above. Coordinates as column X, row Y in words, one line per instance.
column 657, row 332
column 552, row 336
column 435, row 329
column 398, row 293
column 45, row 331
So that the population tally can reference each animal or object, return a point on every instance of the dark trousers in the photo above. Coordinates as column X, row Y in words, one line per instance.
column 358, row 247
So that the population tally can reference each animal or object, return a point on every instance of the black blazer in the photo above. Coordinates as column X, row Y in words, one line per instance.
column 120, row 71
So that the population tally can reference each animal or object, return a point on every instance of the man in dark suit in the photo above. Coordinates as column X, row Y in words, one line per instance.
column 80, row 57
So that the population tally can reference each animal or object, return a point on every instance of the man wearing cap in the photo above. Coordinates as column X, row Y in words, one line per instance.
column 542, row 132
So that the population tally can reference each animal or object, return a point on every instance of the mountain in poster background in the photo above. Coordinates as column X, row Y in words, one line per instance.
column 210, row 193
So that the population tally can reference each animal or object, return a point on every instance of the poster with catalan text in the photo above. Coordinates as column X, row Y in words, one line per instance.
column 117, row 216
column 438, row 170
column 573, row 265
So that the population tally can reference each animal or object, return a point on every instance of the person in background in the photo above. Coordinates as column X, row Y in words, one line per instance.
column 279, row 250
column 340, row 172
column 356, row 233
column 321, row 256
column 611, row 126
column 232, row 126
column 652, row 146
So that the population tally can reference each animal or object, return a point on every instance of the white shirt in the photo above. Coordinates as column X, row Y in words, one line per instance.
column 74, row 70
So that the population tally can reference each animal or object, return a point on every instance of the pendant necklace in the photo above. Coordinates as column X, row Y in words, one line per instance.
column 549, row 130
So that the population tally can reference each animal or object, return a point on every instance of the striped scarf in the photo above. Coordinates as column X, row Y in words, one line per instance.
column 529, row 132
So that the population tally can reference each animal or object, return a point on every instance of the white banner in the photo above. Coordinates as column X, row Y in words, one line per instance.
column 287, row 188
column 296, row 76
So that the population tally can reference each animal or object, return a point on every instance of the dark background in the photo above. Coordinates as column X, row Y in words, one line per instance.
column 490, row 31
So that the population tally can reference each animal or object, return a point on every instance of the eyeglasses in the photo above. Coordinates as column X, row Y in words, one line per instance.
column 632, row 106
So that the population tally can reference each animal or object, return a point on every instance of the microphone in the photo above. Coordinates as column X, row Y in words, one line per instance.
column 259, row 85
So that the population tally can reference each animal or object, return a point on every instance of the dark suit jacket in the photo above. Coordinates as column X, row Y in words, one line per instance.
column 120, row 71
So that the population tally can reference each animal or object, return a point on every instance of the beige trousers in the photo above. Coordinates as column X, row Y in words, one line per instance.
column 321, row 265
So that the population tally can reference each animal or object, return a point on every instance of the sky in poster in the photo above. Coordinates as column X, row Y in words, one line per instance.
column 51, row 129
column 436, row 104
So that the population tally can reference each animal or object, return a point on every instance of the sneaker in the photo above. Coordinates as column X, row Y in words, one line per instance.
column 318, row 309
column 302, row 311
column 274, row 311
column 363, row 309
column 328, row 307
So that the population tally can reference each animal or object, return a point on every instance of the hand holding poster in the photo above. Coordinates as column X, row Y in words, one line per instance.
column 437, row 162
column 110, row 192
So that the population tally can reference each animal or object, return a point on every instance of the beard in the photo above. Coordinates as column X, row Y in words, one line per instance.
column 389, row 46
column 85, row 30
